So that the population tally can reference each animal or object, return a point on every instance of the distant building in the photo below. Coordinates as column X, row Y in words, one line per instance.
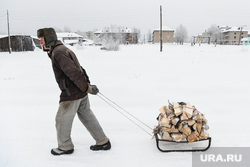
column 201, row 38
column 245, row 41
column 167, row 35
column 19, row 43
column 226, row 35
column 233, row 35
column 125, row 35
column 69, row 38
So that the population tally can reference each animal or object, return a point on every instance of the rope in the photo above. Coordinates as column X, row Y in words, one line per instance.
column 128, row 112
column 107, row 100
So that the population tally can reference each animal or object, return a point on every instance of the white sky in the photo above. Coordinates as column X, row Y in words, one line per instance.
column 26, row 16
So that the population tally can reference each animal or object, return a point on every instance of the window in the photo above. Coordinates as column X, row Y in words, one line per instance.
column 234, row 37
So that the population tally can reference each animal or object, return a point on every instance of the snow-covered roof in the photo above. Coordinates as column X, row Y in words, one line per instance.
column 70, row 41
column 224, row 27
column 84, row 41
column 4, row 36
column 164, row 28
column 116, row 30
column 245, row 39
column 67, row 34
column 98, row 32
column 235, row 28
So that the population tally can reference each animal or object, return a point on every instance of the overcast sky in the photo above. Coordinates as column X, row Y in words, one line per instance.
column 26, row 16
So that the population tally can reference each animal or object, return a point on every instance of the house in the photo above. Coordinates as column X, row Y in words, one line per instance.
column 224, row 35
column 233, row 35
column 69, row 38
column 167, row 35
column 245, row 41
column 124, row 35
column 19, row 43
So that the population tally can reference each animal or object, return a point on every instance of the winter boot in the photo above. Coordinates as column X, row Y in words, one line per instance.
column 57, row 151
column 105, row 146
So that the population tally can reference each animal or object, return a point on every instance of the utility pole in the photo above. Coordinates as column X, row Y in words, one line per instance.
column 241, row 27
column 160, row 29
column 240, row 34
column 8, row 31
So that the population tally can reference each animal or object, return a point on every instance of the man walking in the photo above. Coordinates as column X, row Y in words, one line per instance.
column 74, row 84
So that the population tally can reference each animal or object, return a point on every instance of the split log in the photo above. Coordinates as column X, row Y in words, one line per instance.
column 171, row 116
column 199, row 127
column 182, row 122
column 165, row 122
column 205, row 126
column 173, row 130
column 177, row 137
column 186, row 131
column 192, row 138
column 184, row 117
column 196, row 133
column 168, row 111
column 195, row 112
column 181, row 126
column 162, row 110
column 194, row 126
column 177, row 109
column 166, row 136
column 199, row 118
column 188, row 110
column 203, row 134
column 175, row 120
column 191, row 122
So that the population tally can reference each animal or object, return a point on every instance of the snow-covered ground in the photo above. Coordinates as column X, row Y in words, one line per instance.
column 141, row 80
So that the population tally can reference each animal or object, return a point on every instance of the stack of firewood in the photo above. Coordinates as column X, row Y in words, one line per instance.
column 181, row 122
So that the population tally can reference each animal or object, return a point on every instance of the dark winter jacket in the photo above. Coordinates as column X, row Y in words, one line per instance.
column 70, row 76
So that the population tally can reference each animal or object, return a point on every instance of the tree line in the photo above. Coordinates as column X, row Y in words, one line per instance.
column 180, row 34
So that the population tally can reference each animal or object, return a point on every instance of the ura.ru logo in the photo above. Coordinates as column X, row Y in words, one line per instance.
column 221, row 158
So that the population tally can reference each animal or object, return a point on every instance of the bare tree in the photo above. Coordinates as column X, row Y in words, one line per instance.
column 149, row 36
column 215, row 34
column 136, row 34
column 58, row 29
column 181, row 34
column 90, row 34
column 84, row 34
column 67, row 29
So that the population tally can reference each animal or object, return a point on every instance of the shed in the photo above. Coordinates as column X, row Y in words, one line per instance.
column 19, row 43
column 245, row 41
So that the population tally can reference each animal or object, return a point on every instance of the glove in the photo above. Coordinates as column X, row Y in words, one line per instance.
column 93, row 89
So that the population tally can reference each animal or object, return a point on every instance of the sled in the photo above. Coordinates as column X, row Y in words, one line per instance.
column 158, row 141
